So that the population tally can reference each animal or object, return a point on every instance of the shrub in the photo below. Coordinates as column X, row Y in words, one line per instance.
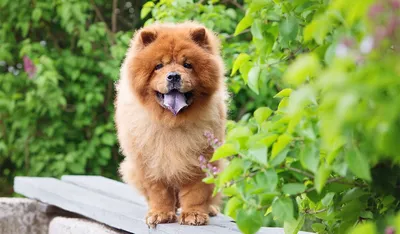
column 58, row 63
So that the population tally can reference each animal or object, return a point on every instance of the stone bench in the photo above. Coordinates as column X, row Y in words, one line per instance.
column 90, row 204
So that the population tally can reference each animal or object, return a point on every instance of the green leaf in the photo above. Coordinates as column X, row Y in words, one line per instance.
column 318, row 227
column 281, row 143
column 283, row 104
column 259, row 154
column 364, row 228
column 262, row 114
column 309, row 157
column 243, row 24
column 358, row 164
column 289, row 28
column 256, row 29
column 234, row 169
column 279, row 158
column 209, row 180
column 226, row 150
column 108, row 139
column 253, row 77
column 327, row 199
column 293, row 188
column 352, row 194
column 36, row 14
column 76, row 167
column 282, row 209
column 146, row 9
column 321, row 177
column 105, row 153
column 249, row 221
column 232, row 206
column 268, row 140
column 267, row 180
column 243, row 57
column 294, row 226
column 283, row 93
column 304, row 67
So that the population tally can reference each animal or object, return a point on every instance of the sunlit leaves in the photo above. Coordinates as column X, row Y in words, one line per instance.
column 305, row 67
column 261, row 114
column 288, row 28
column 244, row 24
column 280, row 144
column 249, row 220
column 322, row 176
column 253, row 78
column 283, row 93
column 358, row 164
column 239, row 61
column 226, row 150
column 293, row 188
column 294, row 226
column 282, row 209
column 147, row 7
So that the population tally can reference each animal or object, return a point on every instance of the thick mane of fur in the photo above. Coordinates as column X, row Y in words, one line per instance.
column 161, row 150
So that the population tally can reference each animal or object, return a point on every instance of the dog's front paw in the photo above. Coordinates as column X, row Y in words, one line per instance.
column 153, row 218
column 195, row 218
column 213, row 210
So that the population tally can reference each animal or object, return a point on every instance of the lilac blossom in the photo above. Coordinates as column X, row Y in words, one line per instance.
column 29, row 67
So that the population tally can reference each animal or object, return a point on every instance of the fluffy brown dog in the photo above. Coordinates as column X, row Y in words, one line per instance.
column 171, row 90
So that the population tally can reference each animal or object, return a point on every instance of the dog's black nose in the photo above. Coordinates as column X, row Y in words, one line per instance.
column 173, row 77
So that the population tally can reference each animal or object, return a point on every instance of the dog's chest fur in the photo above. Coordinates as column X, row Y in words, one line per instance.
column 164, row 152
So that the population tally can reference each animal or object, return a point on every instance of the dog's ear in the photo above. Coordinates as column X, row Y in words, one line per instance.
column 146, row 37
column 199, row 35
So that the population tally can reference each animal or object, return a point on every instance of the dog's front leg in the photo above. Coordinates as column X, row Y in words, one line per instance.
column 195, row 199
column 161, row 200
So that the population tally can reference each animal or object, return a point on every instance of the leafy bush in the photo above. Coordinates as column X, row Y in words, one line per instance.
column 58, row 63
column 328, row 153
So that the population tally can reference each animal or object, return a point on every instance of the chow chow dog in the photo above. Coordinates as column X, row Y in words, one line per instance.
column 170, row 92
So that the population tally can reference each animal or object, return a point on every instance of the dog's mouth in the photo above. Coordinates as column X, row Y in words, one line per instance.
column 174, row 100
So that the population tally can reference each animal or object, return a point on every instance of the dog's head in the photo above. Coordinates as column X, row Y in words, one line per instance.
column 175, row 67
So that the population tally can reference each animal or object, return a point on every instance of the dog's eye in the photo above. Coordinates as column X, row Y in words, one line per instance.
column 159, row 66
column 187, row 65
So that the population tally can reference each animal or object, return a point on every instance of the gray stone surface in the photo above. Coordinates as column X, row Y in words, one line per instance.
column 63, row 225
column 23, row 216
column 114, row 212
column 107, row 187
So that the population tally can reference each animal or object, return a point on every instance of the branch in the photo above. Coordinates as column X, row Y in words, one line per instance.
column 101, row 18
column 114, row 17
column 236, row 4
column 231, row 36
column 315, row 211
column 300, row 172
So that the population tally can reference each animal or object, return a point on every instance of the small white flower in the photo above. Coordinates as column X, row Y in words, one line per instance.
column 342, row 50
column 366, row 45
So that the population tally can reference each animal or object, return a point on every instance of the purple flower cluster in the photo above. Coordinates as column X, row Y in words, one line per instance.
column 212, row 140
column 29, row 67
column 386, row 15
column 390, row 230
column 207, row 167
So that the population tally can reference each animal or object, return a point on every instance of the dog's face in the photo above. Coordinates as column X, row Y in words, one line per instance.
column 175, row 68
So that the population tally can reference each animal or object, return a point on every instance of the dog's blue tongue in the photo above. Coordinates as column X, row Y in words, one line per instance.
column 175, row 101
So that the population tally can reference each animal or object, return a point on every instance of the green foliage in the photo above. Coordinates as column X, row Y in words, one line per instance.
column 322, row 156
column 58, row 63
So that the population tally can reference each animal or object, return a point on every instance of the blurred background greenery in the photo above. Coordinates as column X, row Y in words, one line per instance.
column 314, row 112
